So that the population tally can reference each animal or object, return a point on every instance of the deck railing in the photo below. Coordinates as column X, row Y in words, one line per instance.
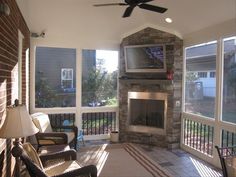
column 228, row 138
column 199, row 136
column 94, row 121
column 98, row 123
column 58, row 119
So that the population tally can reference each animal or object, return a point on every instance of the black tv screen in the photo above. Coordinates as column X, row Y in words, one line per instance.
column 145, row 58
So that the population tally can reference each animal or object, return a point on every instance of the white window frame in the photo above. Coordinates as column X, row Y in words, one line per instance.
column 54, row 110
column 217, row 123
column 98, row 108
column 64, row 78
column 78, row 109
column 202, row 74
column 212, row 74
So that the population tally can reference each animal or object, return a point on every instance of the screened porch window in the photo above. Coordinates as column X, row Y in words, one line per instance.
column 200, row 88
column 229, row 81
column 55, row 77
column 99, row 78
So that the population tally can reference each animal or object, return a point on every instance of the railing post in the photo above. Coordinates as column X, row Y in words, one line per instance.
column 218, row 100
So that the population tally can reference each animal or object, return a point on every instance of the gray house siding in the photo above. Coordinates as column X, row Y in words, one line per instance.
column 89, row 61
column 50, row 61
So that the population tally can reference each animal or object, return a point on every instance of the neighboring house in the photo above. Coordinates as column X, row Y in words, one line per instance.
column 57, row 66
column 201, row 62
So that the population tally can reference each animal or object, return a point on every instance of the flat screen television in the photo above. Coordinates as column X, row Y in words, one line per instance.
column 145, row 58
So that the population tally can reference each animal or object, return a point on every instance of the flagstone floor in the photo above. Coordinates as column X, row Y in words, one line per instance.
column 178, row 162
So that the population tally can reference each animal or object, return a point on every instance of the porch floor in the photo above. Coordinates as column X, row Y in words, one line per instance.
column 178, row 162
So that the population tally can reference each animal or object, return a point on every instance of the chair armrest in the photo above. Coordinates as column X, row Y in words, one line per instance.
column 32, row 168
column 225, row 152
column 90, row 171
column 53, row 137
column 66, row 155
column 63, row 126
column 72, row 127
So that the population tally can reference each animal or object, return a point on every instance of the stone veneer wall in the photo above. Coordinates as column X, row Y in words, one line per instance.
column 153, row 82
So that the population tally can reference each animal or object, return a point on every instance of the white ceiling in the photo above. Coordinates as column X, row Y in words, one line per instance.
column 79, row 19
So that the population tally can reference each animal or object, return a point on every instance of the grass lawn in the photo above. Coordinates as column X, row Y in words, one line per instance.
column 206, row 107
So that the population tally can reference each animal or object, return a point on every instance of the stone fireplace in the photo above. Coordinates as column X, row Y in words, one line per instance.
column 149, row 103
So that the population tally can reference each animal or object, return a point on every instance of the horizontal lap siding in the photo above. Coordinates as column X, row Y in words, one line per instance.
column 9, row 26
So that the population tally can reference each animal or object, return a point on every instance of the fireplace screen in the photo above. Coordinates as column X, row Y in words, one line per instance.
column 147, row 112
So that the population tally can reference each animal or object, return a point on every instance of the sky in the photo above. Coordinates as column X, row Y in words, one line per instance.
column 110, row 59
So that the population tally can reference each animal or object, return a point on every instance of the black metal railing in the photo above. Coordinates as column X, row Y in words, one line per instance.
column 92, row 123
column 199, row 136
column 59, row 119
column 98, row 123
column 228, row 138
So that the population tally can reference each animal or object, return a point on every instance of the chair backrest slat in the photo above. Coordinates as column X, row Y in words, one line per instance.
column 33, row 169
column 31, row 152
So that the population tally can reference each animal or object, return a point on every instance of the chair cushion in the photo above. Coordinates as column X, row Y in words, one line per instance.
column 61, row 167
column 57, row 140
column 70, row 135
column 48, row 142
column 31, row 152
column 42, row 122
column 231, row 166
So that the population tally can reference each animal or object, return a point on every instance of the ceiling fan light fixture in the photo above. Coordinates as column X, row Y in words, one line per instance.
column 168, row 20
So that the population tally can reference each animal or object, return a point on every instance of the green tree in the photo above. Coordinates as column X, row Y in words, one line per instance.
column 190, row 85
column 231, row 78
column 99, row 86
column 45, row 95
column 191, row 76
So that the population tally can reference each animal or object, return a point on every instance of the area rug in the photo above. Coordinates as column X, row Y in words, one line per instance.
column 120, row 160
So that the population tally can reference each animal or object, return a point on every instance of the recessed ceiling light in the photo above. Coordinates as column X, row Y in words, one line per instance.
column 168, row 20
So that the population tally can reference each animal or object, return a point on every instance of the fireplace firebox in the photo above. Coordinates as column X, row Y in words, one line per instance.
column 147, row 112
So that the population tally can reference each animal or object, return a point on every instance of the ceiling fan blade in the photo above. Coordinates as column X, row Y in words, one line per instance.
column 144, row 1
column 153, row 8
column 128, row 11
column 110, row 4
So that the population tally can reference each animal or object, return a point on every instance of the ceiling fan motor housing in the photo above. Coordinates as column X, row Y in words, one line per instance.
column 132, row 2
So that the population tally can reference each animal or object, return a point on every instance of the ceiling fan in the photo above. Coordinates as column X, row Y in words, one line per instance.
column 132, row 4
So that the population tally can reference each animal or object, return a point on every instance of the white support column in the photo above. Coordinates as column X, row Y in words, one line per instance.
column 218, row 98
column 78, row 114
column 20, row 49
column 27, row 75
column 183, row 97
column 32, row 77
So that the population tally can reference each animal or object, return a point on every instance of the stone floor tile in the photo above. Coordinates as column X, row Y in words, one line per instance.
column 178, row 162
